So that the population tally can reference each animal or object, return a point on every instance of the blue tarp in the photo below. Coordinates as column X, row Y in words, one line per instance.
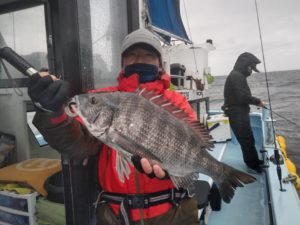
column 165, row 15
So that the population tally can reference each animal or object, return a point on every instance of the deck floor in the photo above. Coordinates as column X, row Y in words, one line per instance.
column 249, row 205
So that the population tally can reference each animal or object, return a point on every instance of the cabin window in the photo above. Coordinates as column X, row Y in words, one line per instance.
column 109, row 27
column 25, row 32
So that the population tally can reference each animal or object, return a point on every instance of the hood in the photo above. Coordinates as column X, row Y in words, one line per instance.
column 244, row 60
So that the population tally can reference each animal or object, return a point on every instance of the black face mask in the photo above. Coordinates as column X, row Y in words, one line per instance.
column 146, row 72
column 248, row 72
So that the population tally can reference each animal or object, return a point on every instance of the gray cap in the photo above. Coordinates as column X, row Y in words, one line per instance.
column 142, row 36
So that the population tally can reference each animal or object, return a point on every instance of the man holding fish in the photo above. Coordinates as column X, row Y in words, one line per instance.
column 167, row 151
column 142, row 67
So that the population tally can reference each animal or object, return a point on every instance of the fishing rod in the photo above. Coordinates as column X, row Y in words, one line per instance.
column 15, row 60
column 276, row 151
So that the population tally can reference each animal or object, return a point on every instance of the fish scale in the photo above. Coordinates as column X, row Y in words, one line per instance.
column 169, row 136
column 143, row 124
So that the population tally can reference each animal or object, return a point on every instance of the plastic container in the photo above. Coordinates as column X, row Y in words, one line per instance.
column 219, row 127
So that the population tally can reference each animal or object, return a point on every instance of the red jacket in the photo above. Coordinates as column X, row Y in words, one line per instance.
column 138, row 182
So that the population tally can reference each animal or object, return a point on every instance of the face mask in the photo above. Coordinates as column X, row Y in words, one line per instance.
column 249, row 71
column 146, row 72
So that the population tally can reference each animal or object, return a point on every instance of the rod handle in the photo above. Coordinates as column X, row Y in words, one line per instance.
column 17, row 61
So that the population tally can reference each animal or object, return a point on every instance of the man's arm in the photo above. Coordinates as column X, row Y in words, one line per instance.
column 64, row 134
column 67, row 136
column 242, row 91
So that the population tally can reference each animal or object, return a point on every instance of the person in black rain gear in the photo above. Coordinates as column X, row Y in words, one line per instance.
column 238, row 97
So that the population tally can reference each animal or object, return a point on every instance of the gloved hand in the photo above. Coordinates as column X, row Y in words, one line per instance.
column 143, row 166
column 48, row 92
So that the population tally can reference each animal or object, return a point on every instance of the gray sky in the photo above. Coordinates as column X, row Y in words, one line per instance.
column 232, row 25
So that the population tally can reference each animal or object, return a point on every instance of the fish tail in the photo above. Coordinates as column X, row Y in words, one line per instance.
column 231, row 179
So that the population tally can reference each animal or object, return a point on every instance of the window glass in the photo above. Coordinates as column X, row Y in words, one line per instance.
column 109, row 27
column 24, row 31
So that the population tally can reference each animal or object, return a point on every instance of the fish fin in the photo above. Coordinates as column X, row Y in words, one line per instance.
column 184, row 182
column 197, row 126
column 233, row 178
column 122, row 165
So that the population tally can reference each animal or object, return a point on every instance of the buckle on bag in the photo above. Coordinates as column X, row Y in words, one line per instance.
column 138, row 201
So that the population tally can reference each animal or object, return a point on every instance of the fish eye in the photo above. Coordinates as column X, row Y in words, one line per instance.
column 93, row 100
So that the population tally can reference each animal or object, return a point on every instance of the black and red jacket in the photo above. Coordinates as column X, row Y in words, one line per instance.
column 69, row 136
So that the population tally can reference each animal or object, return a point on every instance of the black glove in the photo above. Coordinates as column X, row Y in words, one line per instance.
column 136, row 161
column 48, row 94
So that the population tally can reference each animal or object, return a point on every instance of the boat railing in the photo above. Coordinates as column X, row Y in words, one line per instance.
column 268, row 130
column 179, row 82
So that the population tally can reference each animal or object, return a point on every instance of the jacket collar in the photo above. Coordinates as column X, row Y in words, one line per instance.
column 131, row 84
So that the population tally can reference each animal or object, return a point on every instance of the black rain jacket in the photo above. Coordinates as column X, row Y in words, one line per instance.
column 237, row 94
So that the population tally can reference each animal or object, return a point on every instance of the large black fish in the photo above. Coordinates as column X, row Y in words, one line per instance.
column 147, row 125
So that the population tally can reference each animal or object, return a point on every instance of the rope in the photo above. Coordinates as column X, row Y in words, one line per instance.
column 276, row 152
column 288, row 120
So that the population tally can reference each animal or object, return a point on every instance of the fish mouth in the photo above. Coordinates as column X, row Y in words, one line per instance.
column 71, row 108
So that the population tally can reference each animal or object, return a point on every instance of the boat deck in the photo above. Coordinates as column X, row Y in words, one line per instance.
column 248, row 205
column 262, row 202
